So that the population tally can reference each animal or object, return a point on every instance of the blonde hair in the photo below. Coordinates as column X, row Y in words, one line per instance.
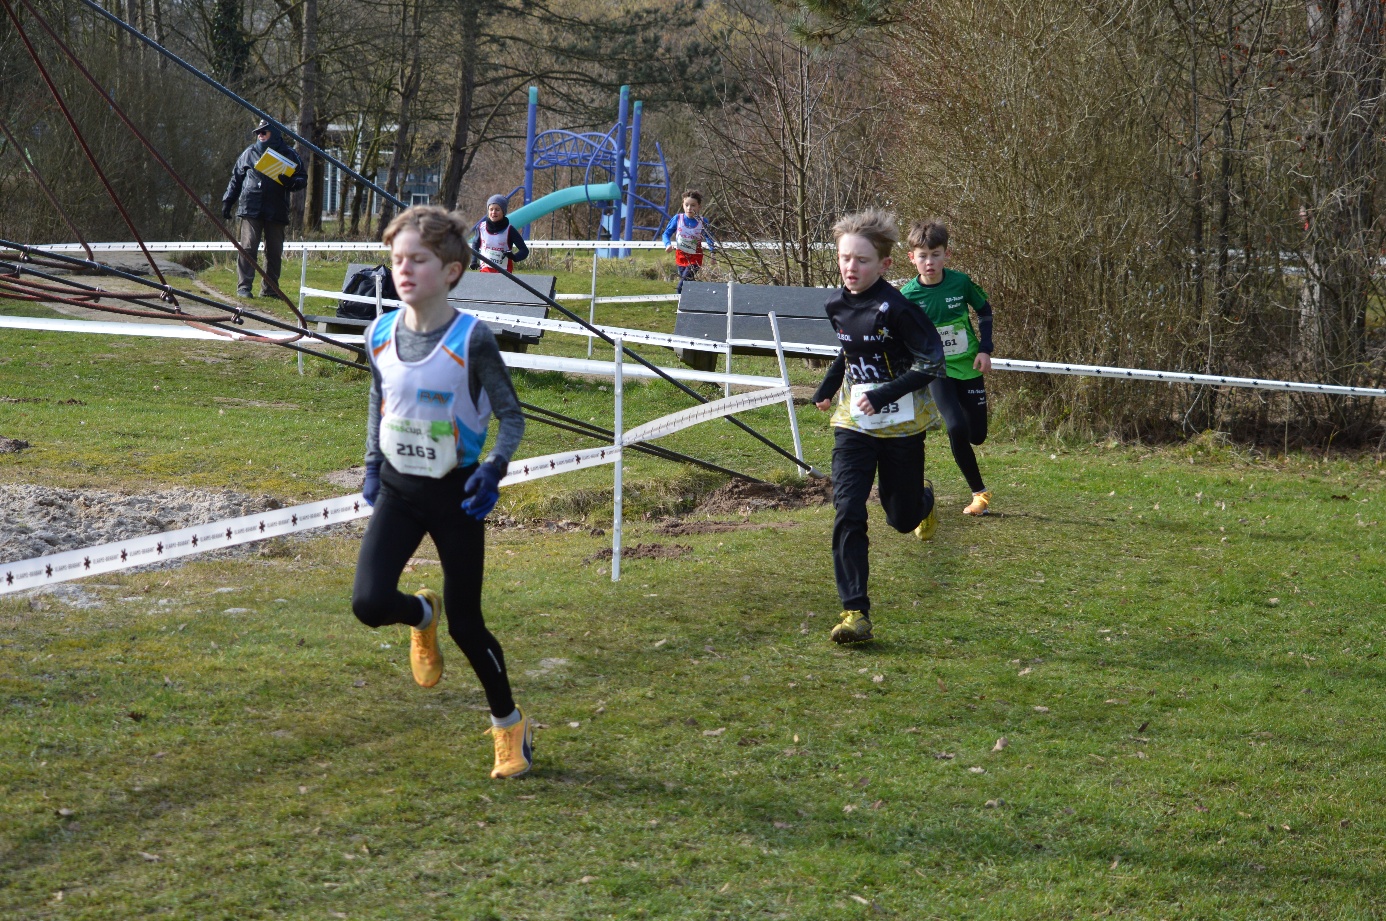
column 875, row 225
column 442, row 231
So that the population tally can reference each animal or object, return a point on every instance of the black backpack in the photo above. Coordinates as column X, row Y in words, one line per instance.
column 362, row 284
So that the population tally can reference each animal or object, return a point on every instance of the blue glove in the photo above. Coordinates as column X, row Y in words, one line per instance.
column 370, row 489
column 483, row 487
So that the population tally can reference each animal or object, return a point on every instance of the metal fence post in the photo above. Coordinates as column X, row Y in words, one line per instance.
column 619, row 427
column 788, row 397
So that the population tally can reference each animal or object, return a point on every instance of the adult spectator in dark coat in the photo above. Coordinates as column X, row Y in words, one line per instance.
column 262, row 204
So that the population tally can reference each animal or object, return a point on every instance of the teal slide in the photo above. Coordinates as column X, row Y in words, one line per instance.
column 574, row 195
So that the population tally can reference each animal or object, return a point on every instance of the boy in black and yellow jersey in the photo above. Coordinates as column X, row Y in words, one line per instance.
column 890, row 354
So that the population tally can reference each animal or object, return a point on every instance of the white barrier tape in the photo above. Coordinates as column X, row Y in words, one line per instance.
column 532, row 362
column 230, row 532
column 558, row 326
column 170, row 545
column 158, row 330
column 513, row 359
column 639, row 299
column 563, row 462
column 624, row 298
column 207, row 246
column 667, row 425
column 216, row 535
column 794, row 348
column 1179, row 377
column 225, row 246
column 608, row 369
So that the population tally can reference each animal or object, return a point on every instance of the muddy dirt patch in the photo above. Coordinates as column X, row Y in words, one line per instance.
column 645, row 552
column 38, row 520
column 742, row 498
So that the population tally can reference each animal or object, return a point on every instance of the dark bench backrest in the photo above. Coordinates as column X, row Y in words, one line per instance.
column 494, row 288
column 494, row 293
column 754, row 300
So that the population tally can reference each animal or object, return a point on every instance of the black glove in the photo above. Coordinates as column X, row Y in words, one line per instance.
column 226, row 209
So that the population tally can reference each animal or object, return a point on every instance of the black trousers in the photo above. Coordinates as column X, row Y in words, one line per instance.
column 252, row 231
column 857, row 459
column 963, row 405
column 407, row 508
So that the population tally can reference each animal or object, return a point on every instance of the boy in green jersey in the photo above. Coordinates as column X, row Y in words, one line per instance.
column 945, row 295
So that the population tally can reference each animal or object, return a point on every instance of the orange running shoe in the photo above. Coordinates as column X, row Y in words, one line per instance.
column 514, row 748
column 424, row 655
column 980, row 504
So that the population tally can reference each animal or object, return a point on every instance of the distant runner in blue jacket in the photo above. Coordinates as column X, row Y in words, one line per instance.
column 685, row 235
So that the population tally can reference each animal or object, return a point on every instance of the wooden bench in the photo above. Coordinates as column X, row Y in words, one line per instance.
column 484, row 291
column 702, row 314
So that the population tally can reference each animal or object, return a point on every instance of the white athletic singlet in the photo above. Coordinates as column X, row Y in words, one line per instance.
column 495, row 246
column 688, row 235
column 430, row 421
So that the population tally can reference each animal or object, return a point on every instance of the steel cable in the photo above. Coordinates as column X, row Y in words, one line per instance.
column 81, row 139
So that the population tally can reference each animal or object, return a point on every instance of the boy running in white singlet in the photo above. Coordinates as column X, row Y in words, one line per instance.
column 437, row 378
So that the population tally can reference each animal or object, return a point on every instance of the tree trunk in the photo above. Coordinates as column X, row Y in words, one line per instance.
column 307, row 203
column 410, row 76
column 230, row 44
column 457, row 162
column 156, row 12
column 315, row 193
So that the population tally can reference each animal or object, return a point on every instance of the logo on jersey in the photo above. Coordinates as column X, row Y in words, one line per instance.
column 434, row 397
column 860, row 370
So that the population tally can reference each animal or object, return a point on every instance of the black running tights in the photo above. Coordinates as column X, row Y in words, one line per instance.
column 858, row 459
column 407, row 508
column 963, row 405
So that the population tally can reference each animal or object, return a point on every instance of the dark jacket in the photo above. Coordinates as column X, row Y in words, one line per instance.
column 257, row 196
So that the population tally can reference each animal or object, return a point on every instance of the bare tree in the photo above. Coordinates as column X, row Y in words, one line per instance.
column 308, row 203
column 1343, row 236
column 407, row 88
column 804, row 130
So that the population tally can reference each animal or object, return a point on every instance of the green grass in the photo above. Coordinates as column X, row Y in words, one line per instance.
column 1200, row 624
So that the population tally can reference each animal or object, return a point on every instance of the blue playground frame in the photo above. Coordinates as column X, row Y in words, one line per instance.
column 615, row 179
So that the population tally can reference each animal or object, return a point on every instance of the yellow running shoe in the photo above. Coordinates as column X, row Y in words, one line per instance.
column 424, row 655
column 929, row 525
column 980, row 504
column 514, row 748
column 855, row 628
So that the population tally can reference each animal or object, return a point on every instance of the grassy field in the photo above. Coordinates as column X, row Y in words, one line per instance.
column 1180, row 648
